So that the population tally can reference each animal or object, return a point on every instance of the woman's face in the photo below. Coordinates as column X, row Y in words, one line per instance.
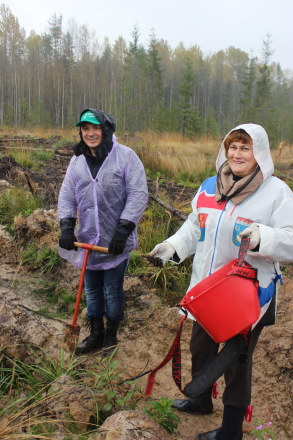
column 241, row 159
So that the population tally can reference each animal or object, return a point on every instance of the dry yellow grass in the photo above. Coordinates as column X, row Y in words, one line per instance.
column 286, row 157
column 37, row 131
column 166, row 153
column 176, row 158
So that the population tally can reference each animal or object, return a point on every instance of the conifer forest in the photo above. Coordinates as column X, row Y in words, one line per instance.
column 48, row 78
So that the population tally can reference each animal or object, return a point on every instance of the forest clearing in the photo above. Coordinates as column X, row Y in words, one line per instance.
column 120, row 228
column 45, row 392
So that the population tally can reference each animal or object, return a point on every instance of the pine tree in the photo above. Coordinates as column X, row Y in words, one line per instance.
column 264, row 110
column 248, row 92
column 48, row 78
column 281, row 102
column 190, row 123
column 133, row 84
column 154, row 76
column 211, row 126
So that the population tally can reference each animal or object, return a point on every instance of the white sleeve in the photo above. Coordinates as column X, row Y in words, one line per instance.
column 276, row 239
column 186, row 238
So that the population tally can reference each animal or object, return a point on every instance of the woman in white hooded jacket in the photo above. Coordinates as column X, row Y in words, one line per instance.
column 243, row 199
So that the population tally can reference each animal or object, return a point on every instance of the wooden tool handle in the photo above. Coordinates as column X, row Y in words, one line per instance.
column 91, row 247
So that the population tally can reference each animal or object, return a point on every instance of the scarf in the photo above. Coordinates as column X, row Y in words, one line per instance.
column 236, row 190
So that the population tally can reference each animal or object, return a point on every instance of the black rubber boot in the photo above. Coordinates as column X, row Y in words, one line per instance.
column 231, row 428
column 95, row 339
column 110, row 338
column 200, row 404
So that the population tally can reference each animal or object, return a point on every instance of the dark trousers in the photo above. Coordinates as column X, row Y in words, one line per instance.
column 238, row 377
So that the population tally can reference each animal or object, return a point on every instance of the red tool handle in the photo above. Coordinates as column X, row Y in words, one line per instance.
column 87, row 248
column 91, row 247
column 80, row 287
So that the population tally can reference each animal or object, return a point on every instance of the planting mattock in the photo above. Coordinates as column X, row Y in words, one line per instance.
column 72, row 330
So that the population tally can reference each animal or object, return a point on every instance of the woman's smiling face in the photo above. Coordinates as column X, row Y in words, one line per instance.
column 241, row 159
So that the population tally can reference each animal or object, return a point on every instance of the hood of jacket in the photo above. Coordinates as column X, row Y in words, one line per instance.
column 108, row 125
column 260, row 145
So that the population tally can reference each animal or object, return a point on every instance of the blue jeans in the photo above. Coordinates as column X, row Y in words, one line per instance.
column 105, row 288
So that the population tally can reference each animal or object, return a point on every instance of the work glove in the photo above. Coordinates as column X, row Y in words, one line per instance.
column 164, row 251
column 117, row 244
column 67, row 225
column 66, row 242
column 119, row 239
column 253, row 232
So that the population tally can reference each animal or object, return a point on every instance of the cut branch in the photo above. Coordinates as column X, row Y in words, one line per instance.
column 169, row 207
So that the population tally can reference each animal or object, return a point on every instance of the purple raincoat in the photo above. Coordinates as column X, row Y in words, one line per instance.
column 119, row 191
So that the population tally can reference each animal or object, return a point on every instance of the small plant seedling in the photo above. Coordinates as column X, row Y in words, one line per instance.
column 264, row 430
column 162, row 413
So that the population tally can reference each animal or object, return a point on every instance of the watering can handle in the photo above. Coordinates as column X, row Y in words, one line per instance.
column 91, row 247
column 243, row 250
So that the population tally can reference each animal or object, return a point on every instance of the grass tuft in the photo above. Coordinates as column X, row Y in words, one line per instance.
column 16, row 200
column 27, row 395
column 44, row 156
column 40, row 258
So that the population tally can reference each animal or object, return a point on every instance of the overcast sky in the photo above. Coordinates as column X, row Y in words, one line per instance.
column 212, row 24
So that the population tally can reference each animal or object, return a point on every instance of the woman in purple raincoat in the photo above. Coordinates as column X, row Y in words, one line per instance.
column 106, row 183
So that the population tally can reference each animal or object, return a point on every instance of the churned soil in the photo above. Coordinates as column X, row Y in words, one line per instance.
column 148, row 336
column 148, row 330
column 145, row 338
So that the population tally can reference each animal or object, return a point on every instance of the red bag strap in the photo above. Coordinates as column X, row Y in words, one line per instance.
column 175, row 353
column 244, row 271
column 243, row 250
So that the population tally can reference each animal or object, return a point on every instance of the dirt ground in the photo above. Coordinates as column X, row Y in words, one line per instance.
column 149, row 328
column 272, row 370
column 145, row 338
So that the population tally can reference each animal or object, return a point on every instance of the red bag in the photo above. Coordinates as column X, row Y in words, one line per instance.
column 226, row 302
column 226, row 305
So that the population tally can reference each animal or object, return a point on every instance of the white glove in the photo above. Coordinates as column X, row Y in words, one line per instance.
column 164, row 251
column 253, row 231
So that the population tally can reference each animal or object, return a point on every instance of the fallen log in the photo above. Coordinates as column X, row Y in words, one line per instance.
column 21, row 140
column 169, row 207
column 13, row 140
column 7, row 147
column 64, row 152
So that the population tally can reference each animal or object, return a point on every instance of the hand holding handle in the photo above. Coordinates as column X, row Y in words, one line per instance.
column 91, row 247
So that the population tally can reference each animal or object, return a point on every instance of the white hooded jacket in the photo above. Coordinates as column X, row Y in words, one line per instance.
column 211, row 230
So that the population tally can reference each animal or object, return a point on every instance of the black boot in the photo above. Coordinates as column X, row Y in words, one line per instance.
column 231, row 428
column 200, row 404
column 110, row 338
column 95, row 339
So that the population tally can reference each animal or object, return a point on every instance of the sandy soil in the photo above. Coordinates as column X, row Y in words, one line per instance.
column 146, row 336
column 150, row 340
column 149, row 329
